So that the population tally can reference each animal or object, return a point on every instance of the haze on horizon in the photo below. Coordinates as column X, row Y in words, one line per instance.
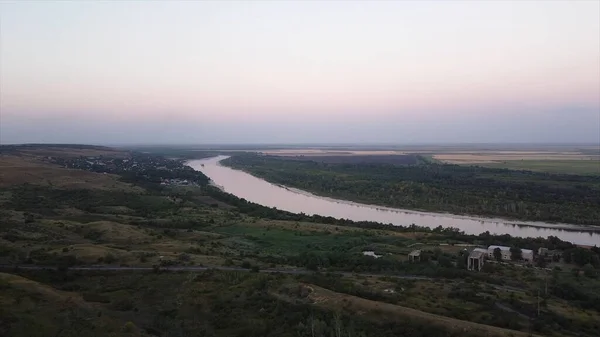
column 299, row 72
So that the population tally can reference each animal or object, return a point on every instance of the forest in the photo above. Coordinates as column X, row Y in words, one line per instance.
column 522, row 195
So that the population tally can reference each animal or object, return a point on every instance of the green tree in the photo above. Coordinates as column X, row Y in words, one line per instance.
column 589, row 271
column 516, row 254
column 541, row 262
column 444, row 261
column 498, row 254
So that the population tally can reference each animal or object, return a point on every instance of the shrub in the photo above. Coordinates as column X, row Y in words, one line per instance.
column 123, row 304
column 184, row 257
column 129, row 327
column 110, row 258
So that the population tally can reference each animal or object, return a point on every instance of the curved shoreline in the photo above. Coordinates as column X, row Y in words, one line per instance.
column 260, row 191
column 483, row 218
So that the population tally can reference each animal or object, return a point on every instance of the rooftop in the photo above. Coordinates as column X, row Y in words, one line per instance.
column 477, row 254
column 415, row 253
column 501, row 247
column 504, row 248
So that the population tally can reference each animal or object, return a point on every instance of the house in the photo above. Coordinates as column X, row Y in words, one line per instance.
column 476, row 259
column 503, row 249
column 414, row 256
column 542, row 251
column 526, row 254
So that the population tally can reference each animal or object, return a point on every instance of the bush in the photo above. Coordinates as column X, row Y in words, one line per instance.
column 129, row 327
column 94, row 297
column 110, row 258
column 4, row 284
column 184, row 257
column 123, row 304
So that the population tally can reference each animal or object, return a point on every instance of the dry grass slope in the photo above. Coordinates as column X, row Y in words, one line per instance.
column 388, row 312
column 17, row 170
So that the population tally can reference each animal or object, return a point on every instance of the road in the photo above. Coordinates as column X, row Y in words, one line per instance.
column 203, row 268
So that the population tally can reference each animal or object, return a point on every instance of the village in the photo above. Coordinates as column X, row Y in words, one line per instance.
column 138, row 166
column 479, row 256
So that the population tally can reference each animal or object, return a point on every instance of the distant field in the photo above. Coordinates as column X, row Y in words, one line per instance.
column 572, row 162
column 399, row 159
column 476, row 157
column 554, row 166
column 327, row 152
column 552, row 159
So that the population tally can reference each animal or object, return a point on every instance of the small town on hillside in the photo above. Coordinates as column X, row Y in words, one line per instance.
column 137, row 166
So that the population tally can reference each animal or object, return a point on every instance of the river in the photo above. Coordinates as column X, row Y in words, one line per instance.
column 257, row 190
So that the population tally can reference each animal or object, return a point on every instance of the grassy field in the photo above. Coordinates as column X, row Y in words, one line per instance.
column 16, row 170
column 107, row 222
column 376, row 310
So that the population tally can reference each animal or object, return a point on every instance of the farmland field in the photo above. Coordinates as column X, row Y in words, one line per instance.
column 584, row 167
column 564, row 159
column 398, row 159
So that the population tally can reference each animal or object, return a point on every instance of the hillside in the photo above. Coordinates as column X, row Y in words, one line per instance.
column 141, row 245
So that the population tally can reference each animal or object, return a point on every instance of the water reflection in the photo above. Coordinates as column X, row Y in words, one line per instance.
column 290, row 199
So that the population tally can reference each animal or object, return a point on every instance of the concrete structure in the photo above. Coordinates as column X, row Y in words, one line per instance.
column 542, row 251
column 504, row 250
column 476, row 259
column 527, row 254
column 414, row 256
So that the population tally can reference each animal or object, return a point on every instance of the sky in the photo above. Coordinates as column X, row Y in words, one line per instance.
column 201, row 72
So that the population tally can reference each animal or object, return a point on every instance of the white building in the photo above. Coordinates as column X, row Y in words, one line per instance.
column 527, row 254
column 414, row 256
column 476, row 259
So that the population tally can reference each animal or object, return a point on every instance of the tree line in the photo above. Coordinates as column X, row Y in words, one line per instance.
column 457, row 189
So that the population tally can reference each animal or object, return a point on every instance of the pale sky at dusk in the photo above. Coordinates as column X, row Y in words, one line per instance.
column 110, row 72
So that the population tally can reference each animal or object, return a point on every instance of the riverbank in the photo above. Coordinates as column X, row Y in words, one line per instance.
column 254, row 189
column 474, row 191
column 514, row 222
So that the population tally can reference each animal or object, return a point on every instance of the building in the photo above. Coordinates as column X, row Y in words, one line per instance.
column 504, row 250
column 414, row 256
column 526, row 254
column 476, row 259
column 542, row 251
